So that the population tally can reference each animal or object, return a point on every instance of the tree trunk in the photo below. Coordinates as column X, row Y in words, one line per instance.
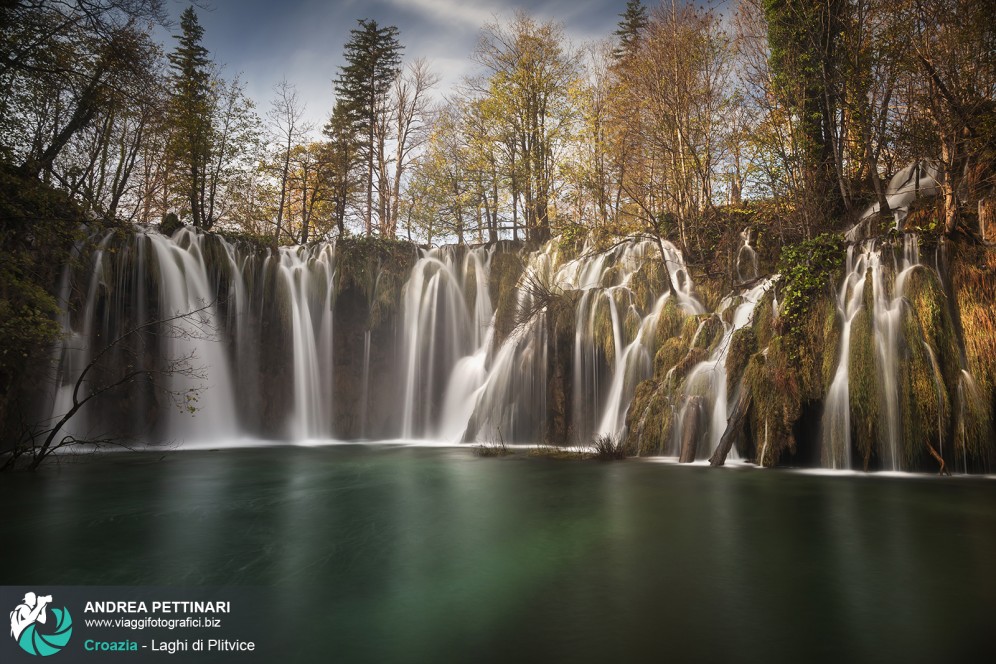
column 690, row 429
column 733, row 427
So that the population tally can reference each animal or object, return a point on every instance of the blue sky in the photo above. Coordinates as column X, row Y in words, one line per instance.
column 303, row 39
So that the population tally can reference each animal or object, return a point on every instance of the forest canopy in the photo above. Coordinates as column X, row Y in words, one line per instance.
column 679, row 114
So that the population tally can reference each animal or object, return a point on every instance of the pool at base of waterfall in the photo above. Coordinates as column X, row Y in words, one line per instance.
column 394, row 553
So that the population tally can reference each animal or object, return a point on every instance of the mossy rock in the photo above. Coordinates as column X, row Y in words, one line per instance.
column 743, row 345
column 170, row 224
column 773, row 379
column 670, row 322
column 668, row 355
column 863, row 387
column 649, row 420
column 973, row 277
column 711, row 333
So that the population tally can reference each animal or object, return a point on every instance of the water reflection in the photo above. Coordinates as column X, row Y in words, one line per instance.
column 401, row 554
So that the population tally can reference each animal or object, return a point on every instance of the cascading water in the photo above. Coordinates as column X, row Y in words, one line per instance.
column 306, row 277
column 919, row 179
column 836, row 425
column 560, row 359
column 440, row 332
column 705, row 403
column 73, row 352
column 184, row 287
column 208, row 363
column 888, row 337
column 500, row 391
column 747, row 269
column 263, row 342
column 888, row 293
column 632, row 353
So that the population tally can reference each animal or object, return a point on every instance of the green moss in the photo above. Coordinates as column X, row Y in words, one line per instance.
column 670, row 322
column 973, row 276
column 764, row 319
column 743, row 345
column 817, row 353
column 38, row 228
column 603, row 335
column 506, row 270
column 649, row 420
column 772, row 379
column 711, row 333
column 648, row 283
column 807, row 269
column 668, row 355
column 863, row 386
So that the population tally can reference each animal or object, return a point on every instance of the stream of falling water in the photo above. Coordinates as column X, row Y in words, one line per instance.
column 705, row 403
column 888, row 292
column 456, row 379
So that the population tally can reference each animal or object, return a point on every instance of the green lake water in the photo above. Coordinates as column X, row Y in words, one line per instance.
column 393, row 554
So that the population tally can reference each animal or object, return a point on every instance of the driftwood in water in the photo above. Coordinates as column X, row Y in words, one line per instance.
column 690, row 429
column 733, row 427
column 939, row 459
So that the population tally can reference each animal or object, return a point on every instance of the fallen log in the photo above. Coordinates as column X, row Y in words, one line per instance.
column 734, row 425
column 691, row 425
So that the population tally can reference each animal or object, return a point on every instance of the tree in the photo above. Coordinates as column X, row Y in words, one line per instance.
column 672, row 97
column 632, row 22
column 59, row 63
column 411, row 113
column 373, row 62
column 530, row 80
column 98, row 165
column 190, row 114
column 804, row 40
column 287, row 130
column 344, row 160
column 97, row 380
column 952, row 92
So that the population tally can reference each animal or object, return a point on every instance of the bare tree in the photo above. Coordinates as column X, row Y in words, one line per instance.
column 41, row 440
column 411, row 107
column 287, row 129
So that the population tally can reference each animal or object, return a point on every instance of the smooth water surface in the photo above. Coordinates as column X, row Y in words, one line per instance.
column 387, row 553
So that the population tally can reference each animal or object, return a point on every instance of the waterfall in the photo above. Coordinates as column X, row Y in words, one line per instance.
column 747, row 269
column 888, row 306
column 72, row 353
column 306, row 279
column 704, row 408
column 462, row 383
column 206, row 367
column 920, row 178
column 546, row 348
column 440, row 329
column 185, row 287
column 836, row 423
column 264, row 346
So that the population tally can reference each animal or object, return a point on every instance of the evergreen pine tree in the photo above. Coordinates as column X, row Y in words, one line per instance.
column 343, row 163
column 373, row 57
column 190, row 112
column 632, row 23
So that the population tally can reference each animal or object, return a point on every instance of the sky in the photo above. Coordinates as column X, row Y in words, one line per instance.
column 302, row 40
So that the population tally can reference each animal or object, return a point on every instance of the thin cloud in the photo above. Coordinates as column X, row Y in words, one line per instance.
column 469, row 14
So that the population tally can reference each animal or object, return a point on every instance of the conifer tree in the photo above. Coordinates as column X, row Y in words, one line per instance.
column 632, row 23
column 190, row 112
column 373, row 62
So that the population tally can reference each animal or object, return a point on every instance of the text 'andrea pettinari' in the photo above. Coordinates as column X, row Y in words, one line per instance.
column 157, row 607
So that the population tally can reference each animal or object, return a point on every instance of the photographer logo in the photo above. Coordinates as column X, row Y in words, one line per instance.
column 34, row 632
